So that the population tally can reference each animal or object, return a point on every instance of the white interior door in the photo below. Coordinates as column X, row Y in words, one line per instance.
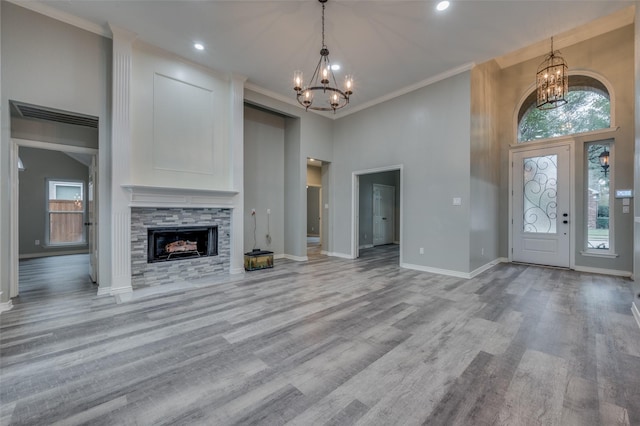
column 541, row 206
column 383, row 220
column 91, row 220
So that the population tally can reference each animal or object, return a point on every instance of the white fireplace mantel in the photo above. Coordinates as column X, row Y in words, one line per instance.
column 166, row 197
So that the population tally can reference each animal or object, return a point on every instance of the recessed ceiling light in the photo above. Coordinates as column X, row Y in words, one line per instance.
column 311, row 159
column 198, row 46
column 443, row 5
column 335, row 67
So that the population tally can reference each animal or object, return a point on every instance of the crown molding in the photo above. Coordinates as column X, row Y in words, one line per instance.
column 381, row 99
column 590, row 30
column 67, row 18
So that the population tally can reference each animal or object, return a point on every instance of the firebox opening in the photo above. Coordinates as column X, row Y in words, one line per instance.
column 167, row 244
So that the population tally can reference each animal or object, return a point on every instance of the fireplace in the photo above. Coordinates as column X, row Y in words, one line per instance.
column 184, row 242
column 182, row 265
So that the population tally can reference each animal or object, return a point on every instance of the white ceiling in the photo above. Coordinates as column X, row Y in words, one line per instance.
column 389, row 46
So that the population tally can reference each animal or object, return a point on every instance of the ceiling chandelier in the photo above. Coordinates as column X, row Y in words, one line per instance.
column 552, row 81
column 323, row 83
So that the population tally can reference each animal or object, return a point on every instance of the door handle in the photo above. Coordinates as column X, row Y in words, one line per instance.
column 384, row 218
column 565, row 221
column 565, row 214
column 88, row 224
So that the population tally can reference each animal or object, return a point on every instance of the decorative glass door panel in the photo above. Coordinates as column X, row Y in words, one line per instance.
column 540, row 194
column 540, row 206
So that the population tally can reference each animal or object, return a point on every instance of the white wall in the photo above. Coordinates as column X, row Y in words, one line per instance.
column 180, row 115
column 49, row 63
column 264, row 179
column 428, row 132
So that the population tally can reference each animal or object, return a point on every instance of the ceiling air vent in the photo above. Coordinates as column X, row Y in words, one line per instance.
column 65, row 117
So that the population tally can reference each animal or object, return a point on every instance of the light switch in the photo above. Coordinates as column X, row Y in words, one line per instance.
column 625, row 209
column 625, row 201
column 457, row 201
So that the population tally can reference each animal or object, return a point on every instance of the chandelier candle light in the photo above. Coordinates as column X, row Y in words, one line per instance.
column 552, row 81
column 323, row 80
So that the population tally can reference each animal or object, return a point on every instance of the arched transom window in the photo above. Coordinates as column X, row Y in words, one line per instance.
column 588, row 108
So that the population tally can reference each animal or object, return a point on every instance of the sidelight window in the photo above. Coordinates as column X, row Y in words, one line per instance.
column 599, row 215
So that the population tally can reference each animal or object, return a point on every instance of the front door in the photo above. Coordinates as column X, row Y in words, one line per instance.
column 541, row 200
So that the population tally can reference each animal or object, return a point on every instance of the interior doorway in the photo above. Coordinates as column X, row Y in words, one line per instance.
column 314, row 207
column 63, row 199
column 377, row 209
column 384, row 203
column 56, row 205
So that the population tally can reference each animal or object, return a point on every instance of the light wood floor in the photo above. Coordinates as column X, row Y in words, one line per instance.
column 325, row 342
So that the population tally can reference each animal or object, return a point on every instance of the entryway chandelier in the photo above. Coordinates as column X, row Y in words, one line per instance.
column 552, row 81
column 323, row 82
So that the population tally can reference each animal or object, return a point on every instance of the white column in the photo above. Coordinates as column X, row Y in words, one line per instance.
column 636, row 198
column 120, row 163
column 236, row 134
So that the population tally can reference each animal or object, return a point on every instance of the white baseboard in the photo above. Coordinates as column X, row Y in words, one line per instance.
column 602, row 271
column 340, row 255
column 487, row 266
column 52, row 253
column 104, row 291
column 278, row 256
column 6, row 306
column 120, row 290
column 636, row 312
column 296, row 258
column 438, row 271
column 365, row 246
column 451, row 273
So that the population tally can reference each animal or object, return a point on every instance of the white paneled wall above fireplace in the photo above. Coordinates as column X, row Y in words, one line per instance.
column 180, row 123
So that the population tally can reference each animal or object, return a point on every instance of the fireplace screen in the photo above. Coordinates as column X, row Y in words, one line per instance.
column 166, row 244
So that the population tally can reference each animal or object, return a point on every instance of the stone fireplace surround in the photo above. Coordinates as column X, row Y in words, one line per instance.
column 145, row 274
column 153, row 207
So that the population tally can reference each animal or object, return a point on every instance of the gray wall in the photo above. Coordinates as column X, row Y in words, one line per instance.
column 306, row 135
column 484, row 237
column 51, row 132
column 428, row 132
column 365, row 208
column 610, row 55
column 49, row 63
column 42, row 164
column 264, row 135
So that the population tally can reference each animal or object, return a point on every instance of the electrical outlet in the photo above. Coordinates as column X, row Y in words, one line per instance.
column 421, row 250
column 268, row 211
column 37, row 242
column 253, row 211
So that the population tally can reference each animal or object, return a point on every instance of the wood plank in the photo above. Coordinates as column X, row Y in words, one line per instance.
column 328, row 341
